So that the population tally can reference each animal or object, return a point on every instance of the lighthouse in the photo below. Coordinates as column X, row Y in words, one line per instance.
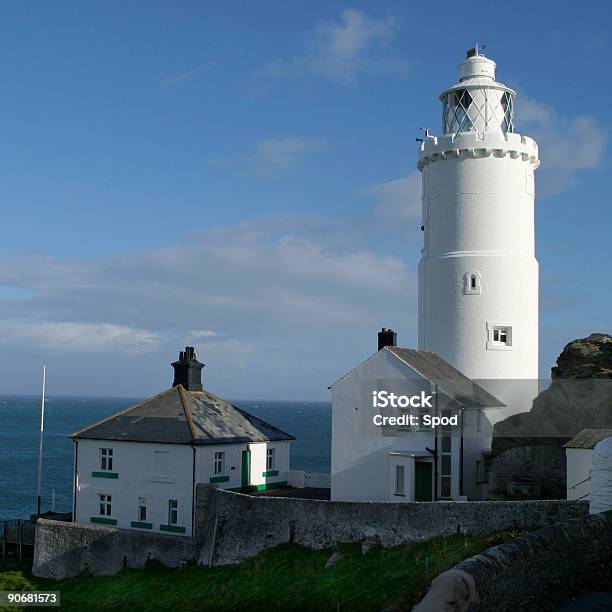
column 478, row 275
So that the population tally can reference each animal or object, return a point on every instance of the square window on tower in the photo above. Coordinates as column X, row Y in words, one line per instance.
column 499, row 336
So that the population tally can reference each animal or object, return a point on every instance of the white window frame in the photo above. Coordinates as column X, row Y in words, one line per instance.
column 173, row 511
column 400, row 479
column 142, row 505
column 105, row 504
column 496, row 345
column 467, row 283
column 445, row 433
column 270, row 459
column 219, row 463
column 106, row 459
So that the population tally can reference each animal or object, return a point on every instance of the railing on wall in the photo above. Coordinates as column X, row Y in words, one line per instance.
column 19, row 532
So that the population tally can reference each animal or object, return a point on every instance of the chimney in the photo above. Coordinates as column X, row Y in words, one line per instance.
column 386, row 337
column 188, row 370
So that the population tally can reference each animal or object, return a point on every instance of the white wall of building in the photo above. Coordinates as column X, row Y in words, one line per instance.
column 133, row 462
column 578, row 461
column 137, row 473
column 363, row 460
column 478, row 213
column 233, row 464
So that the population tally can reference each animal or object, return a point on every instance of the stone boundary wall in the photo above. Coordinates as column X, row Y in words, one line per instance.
column 231, row 527
column 62, row 550
column 535, row 571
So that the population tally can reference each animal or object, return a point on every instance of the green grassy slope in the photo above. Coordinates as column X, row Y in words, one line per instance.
column 282, row 578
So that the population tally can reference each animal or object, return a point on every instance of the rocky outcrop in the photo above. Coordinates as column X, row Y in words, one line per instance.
column 586, row 358
column 579, row 397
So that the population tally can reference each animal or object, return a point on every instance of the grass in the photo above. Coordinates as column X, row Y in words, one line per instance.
column 285, row 577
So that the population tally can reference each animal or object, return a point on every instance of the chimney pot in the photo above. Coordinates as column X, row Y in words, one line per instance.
column 188, row 370
column 386, row 337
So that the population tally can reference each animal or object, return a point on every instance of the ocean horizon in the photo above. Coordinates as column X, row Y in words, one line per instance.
column 309, row 422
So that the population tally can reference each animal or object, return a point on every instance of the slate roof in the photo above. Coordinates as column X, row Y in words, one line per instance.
column 588, row 438
column 451, row 381
column 178, row 416
column 441, row 373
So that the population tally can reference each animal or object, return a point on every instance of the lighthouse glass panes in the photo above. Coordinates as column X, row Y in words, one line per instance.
column 477, row 109
column 455, row 112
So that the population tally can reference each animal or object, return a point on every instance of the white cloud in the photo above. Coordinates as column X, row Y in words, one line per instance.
column 278, row 156
column 79, row 337
column 568, row 145
column 344, row 50
column 399, row 199
column 255, row 280
column 271, row 157
column 275, row 309
column 194, row 335
column 188, row 75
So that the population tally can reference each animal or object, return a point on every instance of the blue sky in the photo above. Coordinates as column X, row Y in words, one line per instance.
column 241, row 177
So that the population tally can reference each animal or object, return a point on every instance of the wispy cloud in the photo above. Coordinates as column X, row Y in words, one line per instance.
column 78, row 337
column 272, row 157
column 188, row 75
column 568, row 145
column 344, row 50
column 398, row 199
column 262, row 280
column 278, row 156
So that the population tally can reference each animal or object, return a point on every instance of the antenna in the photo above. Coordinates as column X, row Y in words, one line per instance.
column 40, row 445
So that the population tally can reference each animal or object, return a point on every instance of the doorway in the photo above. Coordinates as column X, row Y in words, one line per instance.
column 246, row 469
column 422, row 481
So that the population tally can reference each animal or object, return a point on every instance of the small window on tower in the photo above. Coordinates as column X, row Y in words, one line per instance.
column 471, row 283
column 500, row 336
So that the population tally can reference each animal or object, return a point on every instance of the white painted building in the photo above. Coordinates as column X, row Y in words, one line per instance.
column 579, row 457
column 409, row 464
column 478, row 288
column 138, row 468
column 478, row 276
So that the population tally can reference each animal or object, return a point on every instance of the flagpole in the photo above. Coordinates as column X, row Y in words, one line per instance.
column 40, row 445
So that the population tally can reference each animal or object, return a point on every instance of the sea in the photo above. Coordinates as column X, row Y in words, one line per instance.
column 308, row 422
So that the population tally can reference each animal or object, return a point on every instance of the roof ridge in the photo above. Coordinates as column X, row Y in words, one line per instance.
column 187, row 411
column 116, row 414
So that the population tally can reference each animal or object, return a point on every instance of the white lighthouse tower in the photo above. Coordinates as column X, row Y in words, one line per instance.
column 478, row 276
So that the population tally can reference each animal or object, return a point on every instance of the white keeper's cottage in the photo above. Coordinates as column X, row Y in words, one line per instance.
column 138, row 468
column 399, row 464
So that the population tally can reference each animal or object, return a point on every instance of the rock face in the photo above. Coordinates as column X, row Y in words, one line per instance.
column 530, row 445
column 586, row 358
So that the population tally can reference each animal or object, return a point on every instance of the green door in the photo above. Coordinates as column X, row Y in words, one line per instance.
column 422, row 481
column 246, row 468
